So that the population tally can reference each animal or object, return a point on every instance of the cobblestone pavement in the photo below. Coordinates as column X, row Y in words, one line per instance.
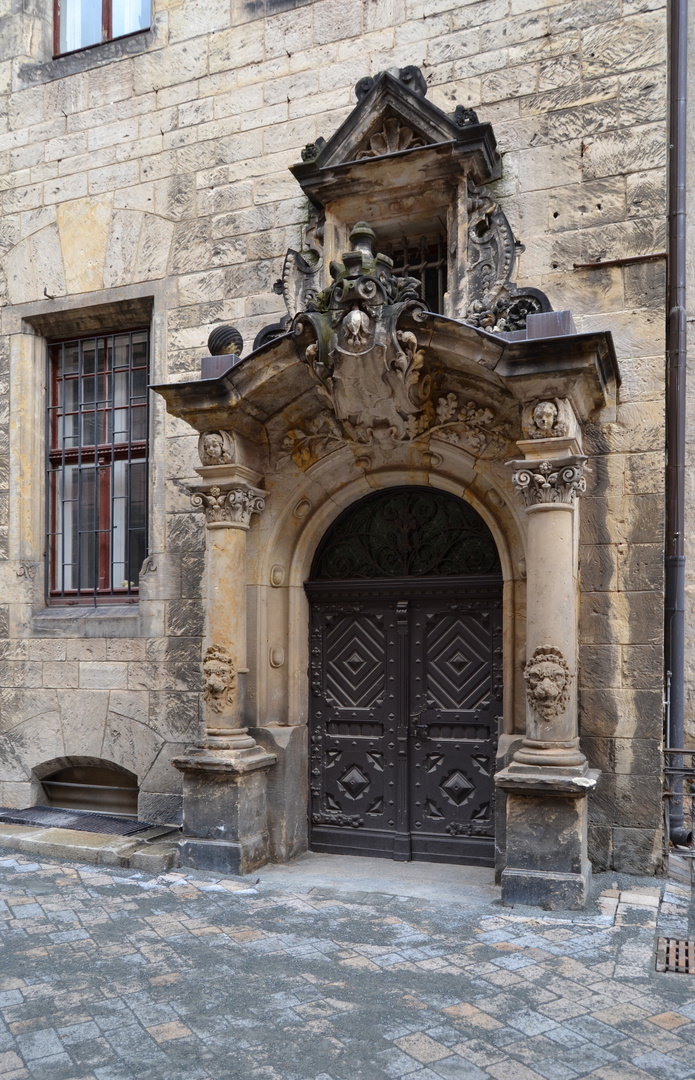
column 117, row 974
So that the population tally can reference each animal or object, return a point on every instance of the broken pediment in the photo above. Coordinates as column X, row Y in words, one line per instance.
column 391, row 120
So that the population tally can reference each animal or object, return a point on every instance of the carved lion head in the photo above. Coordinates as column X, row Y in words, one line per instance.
column 547, row 678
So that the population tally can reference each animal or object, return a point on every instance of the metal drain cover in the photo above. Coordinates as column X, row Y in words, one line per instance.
column 52, row 817
column 675, row 954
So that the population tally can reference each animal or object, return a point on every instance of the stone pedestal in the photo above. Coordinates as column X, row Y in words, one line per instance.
column 546, row 826
column 224, row 807
column 225, row 775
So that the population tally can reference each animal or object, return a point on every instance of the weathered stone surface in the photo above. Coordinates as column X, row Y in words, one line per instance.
column 157, row 166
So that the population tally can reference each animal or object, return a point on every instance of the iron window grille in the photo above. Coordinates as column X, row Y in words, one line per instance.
column 97, row 467
column 81, row 24
column 426, row 259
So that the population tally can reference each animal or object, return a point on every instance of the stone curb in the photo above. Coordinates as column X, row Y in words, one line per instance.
column 142, row 852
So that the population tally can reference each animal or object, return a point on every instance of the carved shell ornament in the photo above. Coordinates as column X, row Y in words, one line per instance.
column 547, row 676
column 219, row 678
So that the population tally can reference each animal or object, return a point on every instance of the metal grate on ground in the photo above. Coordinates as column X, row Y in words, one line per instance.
column 52, row 817
column 675, row 954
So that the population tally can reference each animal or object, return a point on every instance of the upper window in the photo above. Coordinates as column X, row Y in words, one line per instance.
column 97, row 467
column 81, row 23
column 425, row 258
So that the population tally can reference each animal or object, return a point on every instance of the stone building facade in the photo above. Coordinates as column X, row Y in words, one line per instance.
column 158, row 181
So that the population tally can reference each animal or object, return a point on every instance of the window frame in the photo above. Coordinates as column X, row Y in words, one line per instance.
column 101, row 455
column 106, row 29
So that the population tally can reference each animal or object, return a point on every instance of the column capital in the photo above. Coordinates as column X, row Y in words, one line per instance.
column 554, row 482
column 229, row 506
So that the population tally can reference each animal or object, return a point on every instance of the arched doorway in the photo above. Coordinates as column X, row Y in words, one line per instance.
column 406, row 680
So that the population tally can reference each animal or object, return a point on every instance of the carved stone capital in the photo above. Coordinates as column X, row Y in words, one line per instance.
column 229, row 507
column 549, row 482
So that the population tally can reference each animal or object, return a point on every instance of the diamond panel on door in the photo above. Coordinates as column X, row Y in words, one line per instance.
column 458, row 659
column 355, row 660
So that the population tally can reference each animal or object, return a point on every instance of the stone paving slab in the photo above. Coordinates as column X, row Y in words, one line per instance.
column 115, row 974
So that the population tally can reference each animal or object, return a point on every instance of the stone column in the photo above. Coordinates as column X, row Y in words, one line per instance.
column 225, row 775
column 548, row 781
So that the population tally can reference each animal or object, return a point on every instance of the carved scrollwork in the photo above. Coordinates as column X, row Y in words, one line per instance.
column 550, row 482
column 231, row 506
column 352, row 821
column 495, row 304
column 548, row 678
column 219, row 678
column 217, row 448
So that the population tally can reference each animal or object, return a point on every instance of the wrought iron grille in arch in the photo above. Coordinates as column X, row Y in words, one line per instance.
column 406, row 532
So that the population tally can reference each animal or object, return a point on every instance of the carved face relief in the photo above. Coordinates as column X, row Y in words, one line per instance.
column 544, row 417
column 547, row 419
column 547, row 677
column 216, row 448
column 219, row 678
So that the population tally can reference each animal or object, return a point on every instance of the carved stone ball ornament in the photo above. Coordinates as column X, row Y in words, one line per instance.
column 217, row 448
column 550, row 482
column 230, row 507
column 548, row 679
column 219, row 678
column 225, row 340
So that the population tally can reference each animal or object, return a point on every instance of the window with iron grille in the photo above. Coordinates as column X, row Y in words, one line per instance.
column 79, row 24
column 424, row 258
column 97, row 467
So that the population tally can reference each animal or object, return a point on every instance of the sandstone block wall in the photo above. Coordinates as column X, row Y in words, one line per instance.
column 158, row 167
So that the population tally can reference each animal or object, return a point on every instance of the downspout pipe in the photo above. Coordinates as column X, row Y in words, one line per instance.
column 676, row 407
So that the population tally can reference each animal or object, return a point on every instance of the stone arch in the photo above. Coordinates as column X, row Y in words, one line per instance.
column 287, row 541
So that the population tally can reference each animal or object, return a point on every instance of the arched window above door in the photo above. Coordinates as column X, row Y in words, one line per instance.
column 406, row 532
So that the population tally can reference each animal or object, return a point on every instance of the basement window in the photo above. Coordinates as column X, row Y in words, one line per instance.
column 80, row 24
column 100, row 789
column 425, row 258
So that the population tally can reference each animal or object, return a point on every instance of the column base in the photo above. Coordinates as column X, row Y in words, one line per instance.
column 546, row 860
column 224, row 806
column 551, row 891
column 224, row 857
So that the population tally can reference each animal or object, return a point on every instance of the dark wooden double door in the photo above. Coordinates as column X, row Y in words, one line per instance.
column 406, row 689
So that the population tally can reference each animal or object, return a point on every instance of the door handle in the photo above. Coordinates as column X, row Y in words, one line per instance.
column 417, row 730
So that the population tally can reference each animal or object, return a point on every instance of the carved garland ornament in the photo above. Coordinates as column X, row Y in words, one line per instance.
column 550, row 482
column 219, row 678
column 548, row 678
column 230, row 506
